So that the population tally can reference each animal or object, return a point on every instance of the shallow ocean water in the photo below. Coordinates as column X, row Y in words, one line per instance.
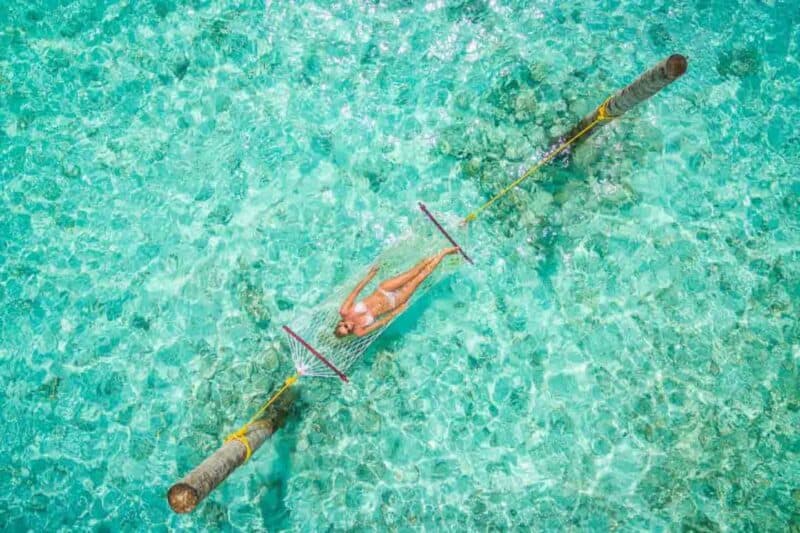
column 180, row 178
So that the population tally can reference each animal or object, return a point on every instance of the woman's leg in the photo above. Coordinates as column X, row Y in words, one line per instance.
column 398, row 281
column 405, row 292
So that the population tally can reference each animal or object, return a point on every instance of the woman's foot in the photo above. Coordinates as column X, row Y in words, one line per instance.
column 448, row 251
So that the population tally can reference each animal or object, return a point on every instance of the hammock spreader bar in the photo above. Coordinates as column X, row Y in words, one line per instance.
column 444, row 232
column 316, row 354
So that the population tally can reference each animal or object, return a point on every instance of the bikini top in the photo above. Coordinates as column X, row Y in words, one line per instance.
column 364, row 314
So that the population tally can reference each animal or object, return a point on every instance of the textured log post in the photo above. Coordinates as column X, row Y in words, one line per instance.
column 184, row 495
column 640, row 90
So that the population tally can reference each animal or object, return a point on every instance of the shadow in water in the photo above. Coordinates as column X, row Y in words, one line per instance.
column 275, row 477
column 409, row 320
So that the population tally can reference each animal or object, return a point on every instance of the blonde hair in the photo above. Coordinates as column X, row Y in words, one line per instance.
column 339, row 326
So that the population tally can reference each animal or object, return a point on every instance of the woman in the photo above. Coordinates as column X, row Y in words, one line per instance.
column 377, row 309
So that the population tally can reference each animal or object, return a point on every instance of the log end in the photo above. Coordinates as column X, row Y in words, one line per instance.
column 676, row 66
column 182, row 498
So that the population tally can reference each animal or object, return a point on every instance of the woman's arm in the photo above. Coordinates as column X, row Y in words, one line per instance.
column 360, row 332
column 348, row 303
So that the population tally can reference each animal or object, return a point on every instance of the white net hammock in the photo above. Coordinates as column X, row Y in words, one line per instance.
column 314, row 329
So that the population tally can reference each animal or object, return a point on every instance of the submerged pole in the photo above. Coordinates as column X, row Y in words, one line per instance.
column 637, row 92
column 184, row 495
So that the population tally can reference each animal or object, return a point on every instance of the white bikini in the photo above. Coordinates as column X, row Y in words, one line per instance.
column 391, row 296
column 361, row 309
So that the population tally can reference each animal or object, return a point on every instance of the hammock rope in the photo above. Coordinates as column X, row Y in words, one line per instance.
column 241, row 433
column 602, row 116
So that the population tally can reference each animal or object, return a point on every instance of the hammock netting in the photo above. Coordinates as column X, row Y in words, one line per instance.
column 400, row 254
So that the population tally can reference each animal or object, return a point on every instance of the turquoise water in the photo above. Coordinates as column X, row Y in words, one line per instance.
column 179, row 179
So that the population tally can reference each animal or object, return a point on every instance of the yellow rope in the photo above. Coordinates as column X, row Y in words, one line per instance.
column 241, row 433
column 602, row 115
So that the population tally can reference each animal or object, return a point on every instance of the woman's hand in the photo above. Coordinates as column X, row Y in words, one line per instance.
column 351, row 298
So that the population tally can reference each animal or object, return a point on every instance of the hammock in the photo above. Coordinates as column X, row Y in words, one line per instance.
column 313, row 330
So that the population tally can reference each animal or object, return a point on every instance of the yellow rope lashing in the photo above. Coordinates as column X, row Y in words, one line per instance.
column 241, row 433
column 602, row 115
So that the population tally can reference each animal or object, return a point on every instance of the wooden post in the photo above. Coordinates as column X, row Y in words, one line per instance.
column 640, row 90
column 184, row 495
